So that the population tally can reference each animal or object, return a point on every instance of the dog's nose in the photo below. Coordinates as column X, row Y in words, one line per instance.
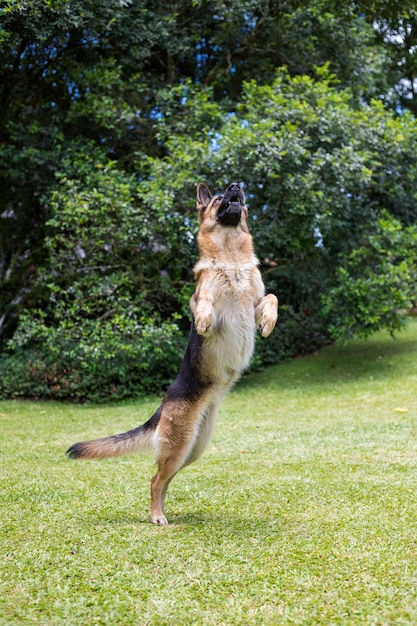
column 234, row 187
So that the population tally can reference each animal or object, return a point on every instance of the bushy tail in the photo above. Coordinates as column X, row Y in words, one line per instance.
column 134, row 440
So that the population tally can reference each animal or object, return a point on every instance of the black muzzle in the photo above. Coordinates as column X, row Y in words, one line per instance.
column 229, row 212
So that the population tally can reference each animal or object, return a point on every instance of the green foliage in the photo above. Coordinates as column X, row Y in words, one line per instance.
column 98, row 70
column 108, row 250
column 397, row 33
column 374, row 282
column 112, row 111
column 90, row 360
column 95, row 340
column 296, row 334
column 319, row 175
column 327, row 200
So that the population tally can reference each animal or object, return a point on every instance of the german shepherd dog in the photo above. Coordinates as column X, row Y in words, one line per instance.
column 228, row 304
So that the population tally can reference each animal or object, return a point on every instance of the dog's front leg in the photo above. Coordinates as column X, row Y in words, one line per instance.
column 202, row 310
column 266, row 314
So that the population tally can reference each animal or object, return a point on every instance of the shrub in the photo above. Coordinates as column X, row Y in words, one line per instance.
column 95, row 361
column 296, row 333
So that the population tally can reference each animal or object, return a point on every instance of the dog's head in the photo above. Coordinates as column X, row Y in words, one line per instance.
column 227, row 209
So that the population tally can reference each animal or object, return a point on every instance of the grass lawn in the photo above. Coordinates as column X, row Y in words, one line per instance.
column 302, row 511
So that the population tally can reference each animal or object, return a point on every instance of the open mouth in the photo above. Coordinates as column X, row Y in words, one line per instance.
column 229, row 212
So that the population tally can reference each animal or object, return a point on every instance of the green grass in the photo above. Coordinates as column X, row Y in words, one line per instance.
column 302, row 511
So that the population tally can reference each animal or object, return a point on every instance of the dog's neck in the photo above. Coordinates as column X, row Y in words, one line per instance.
column 228, row 246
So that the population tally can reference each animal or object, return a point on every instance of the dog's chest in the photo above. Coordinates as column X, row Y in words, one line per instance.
column 232, row 283
column 232, row 341
column 230, row 345
column 237, row 278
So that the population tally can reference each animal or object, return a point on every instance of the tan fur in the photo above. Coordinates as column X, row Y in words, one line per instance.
column 228, row 304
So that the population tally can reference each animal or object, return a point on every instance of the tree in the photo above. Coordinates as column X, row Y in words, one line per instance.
column 111, row 112
column 325, row 180
column 79, row 73
column 395, row 27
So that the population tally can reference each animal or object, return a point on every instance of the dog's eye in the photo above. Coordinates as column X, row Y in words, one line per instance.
column 219, row 198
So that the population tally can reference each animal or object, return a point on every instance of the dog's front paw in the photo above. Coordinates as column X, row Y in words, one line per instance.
column 269, row 315
column 267, row 326
column 203, row 323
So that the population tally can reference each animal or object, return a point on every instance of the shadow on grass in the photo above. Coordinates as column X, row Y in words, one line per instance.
column 232, row 523
column 121, row 520
column 175, row 520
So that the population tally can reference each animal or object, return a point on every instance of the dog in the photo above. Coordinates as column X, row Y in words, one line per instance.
column 228, row 304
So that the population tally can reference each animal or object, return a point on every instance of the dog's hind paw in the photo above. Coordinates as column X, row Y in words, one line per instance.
column 159, row 520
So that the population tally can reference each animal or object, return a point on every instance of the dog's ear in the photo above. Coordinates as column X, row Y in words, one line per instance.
column 203, row 196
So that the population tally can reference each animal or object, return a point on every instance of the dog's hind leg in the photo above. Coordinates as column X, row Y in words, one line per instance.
column 167, row 469
column 175, row 437
column 159, row 486
column 160, row 482
column 204, row 434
